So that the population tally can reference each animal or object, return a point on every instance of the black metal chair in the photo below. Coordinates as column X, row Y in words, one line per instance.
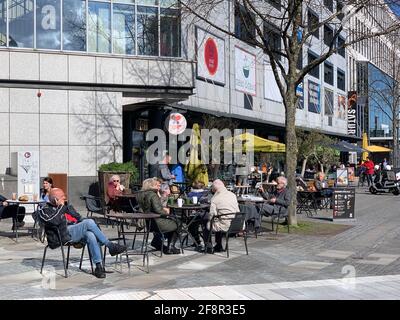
column 238, row 226
column 76, row 245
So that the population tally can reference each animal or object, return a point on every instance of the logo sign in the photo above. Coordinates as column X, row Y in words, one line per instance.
column 176, row 123
column 210, row 57
column 245, row 71
column 352, row 113
column 300, row 95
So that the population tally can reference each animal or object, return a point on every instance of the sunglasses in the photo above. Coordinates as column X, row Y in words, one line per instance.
column 116, row 180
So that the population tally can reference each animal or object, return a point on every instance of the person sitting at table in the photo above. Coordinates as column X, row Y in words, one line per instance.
column 114, row 189
column 164, row 193
column 45, row 191
column 198, row 190
column 72, row 227
column 150, row 202
column 223, row 202
column 277, row 201
column 10, row 211
column 164, row 172
column 321, row 185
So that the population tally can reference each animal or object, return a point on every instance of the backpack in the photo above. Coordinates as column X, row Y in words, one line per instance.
column 55, row 225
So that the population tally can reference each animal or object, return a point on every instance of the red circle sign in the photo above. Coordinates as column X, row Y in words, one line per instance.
column 211, row 56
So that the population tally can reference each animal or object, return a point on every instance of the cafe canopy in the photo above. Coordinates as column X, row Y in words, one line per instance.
column 259, row 144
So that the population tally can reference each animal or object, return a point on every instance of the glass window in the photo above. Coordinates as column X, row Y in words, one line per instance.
column 341, row 80
column 328, row 73
column 74, row 25
column 328, row 35
column 313, row 21
column 147, row 31
column 328, row 102
column 148, row 2
column 123, row 29
column 275, row 3
column 99, row 27
column 271, row 34
column 314, row 71
column 329, row 4
column 48, row 24
column 244, row 24
column 21, row 23
column 341, row 50
column 170, row 33
column 3, row 23
column 248, row 101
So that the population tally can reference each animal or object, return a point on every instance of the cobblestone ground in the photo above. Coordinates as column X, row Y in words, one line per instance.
column 369, row 248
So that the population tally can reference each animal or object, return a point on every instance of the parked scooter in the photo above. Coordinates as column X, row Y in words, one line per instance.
column 385, row 181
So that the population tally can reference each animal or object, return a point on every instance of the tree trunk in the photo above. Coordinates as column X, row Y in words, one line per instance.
column 303, row 167
column 291, row 152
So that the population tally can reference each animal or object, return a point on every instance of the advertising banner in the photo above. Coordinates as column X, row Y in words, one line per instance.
column 352, row 113
column 300, row 94
column 210, row 57
column 313, row 97
column 271, row 90
column 341, row 107
column 245, row 71
column 342, row 179
column 28, row 175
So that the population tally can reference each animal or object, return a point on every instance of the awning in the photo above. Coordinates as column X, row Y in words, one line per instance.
column 259, row 144
column 373, row 148
column 344, row 146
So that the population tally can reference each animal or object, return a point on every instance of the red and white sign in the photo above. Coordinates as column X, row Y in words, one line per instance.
column 210, row 57
column 176, row 123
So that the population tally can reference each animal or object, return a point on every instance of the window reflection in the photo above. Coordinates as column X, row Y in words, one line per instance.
column 99, row 27
column 48, row 31
column 21, row 19
column 147, row 31
column 123, row 29
column 74, row 25
column 170, row 33
column 3, row 22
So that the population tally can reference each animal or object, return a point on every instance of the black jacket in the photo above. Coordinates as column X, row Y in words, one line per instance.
column 55, row 223
column 282, row 199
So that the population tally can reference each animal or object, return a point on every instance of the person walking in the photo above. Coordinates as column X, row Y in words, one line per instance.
column 369, row 165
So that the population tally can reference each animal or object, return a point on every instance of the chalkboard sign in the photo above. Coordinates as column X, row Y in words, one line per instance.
column 344, row 203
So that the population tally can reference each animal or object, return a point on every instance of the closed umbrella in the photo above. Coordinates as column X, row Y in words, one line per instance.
column 196, row 170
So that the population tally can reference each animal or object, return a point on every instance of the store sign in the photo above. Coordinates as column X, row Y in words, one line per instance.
column 271, row 90
column 176, row 123
column 245, row 71
column 313, row 97
column 210, row 57
column 352, row 113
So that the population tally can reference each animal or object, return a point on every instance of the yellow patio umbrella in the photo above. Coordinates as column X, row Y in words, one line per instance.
column 364, row 146
column 259, row 144
column 196, row 170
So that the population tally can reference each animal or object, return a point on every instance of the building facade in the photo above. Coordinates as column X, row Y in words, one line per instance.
column 83, row 80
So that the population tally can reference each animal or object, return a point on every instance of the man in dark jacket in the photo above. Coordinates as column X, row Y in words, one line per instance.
column 56, row 214
column 12, row 211
column 278, row 200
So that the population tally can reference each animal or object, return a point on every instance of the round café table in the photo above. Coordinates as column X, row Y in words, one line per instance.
column 35, row 206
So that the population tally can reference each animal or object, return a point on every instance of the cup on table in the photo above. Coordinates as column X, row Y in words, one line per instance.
column 180, row 202
column 14, row 196
column 194, row 199
column 35, row 197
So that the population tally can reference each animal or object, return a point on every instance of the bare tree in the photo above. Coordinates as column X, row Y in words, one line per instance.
column 295, row 29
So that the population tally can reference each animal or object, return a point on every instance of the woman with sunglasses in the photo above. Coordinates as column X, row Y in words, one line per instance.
column 114, row 189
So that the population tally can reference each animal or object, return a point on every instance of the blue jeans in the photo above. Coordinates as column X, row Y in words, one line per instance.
column 88, row 232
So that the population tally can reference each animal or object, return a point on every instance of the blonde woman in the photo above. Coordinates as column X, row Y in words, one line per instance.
column 150, row 202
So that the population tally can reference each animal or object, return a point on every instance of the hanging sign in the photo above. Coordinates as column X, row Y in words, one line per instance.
column 245, row 71
column 176, row 123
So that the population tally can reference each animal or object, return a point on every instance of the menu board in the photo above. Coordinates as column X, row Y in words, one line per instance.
column 344, row 203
